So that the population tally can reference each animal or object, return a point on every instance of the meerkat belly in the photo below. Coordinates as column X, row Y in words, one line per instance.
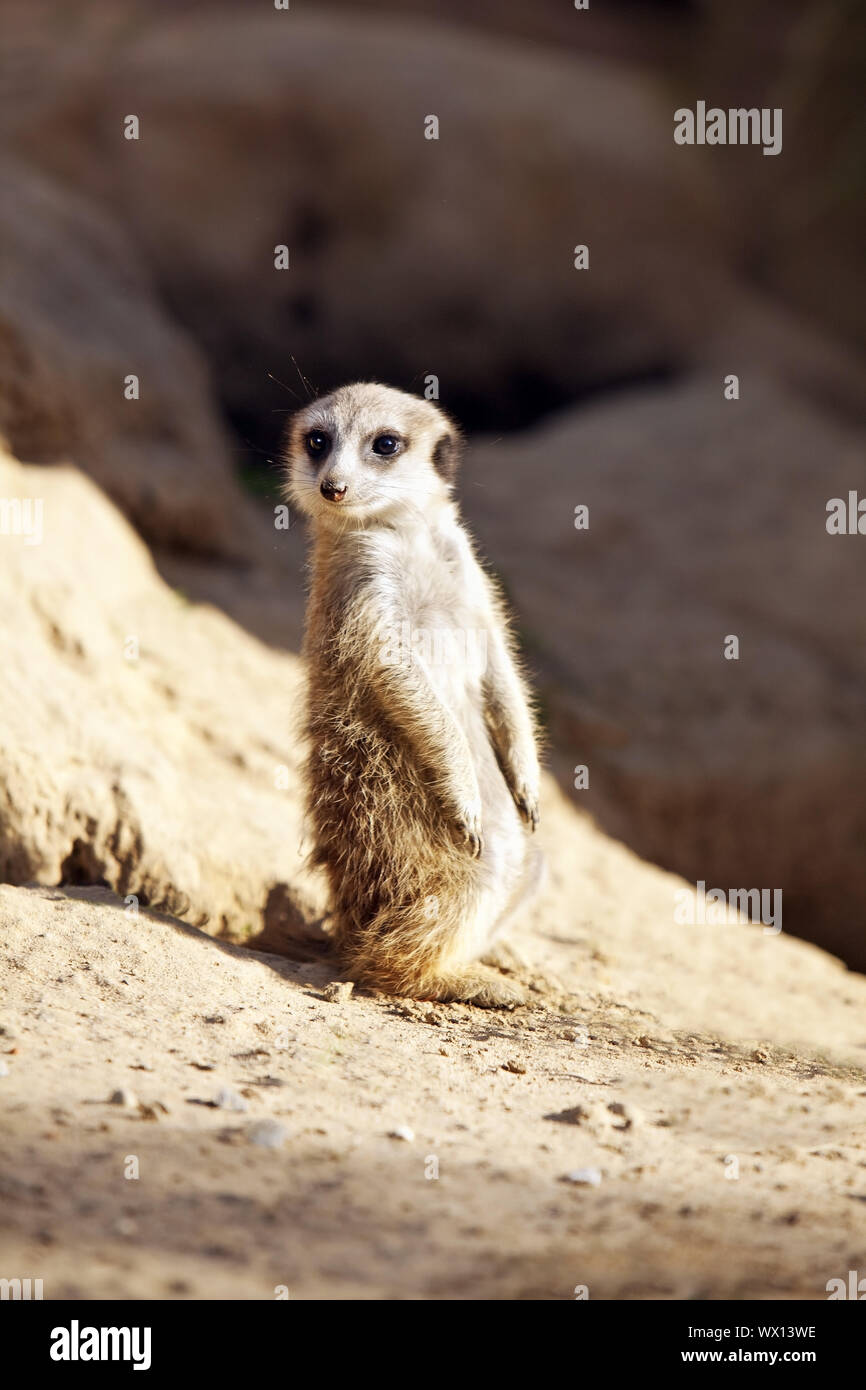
column 457, row 676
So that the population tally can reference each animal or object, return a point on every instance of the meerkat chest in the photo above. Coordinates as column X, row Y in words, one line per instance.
column 441, row 580
column 444, row 624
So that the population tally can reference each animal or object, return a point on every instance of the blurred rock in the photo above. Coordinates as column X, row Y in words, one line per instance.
column 798, row 221
column 144, row 743
column 706, row 518
column 408, row 256
column 78, row 314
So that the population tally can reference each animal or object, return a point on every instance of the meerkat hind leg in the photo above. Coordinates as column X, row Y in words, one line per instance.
column 475, row 985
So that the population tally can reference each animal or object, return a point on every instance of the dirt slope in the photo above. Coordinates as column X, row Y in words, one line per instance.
column 731, row 1157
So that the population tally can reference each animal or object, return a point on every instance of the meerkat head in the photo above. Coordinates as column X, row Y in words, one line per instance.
column 367, row 453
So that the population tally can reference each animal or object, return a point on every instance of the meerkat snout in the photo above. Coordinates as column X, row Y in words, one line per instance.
column 335, row 492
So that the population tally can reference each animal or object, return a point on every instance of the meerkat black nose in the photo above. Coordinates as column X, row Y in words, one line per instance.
column 333, row 491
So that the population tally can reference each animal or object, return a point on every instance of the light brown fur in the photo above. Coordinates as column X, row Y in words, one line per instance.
column 422, row 775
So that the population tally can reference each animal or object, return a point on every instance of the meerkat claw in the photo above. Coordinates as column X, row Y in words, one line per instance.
column 528, row 808
column 472, row 838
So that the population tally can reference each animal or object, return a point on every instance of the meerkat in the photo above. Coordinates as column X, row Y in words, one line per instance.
column 422, row 773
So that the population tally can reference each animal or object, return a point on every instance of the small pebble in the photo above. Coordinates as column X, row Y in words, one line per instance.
column 153, row 1110
column 4, row 1069
column 512, row 1065
column 338, row 991
column 268, row 1134
column 123, row 1096
column 584, row 1177
column 229, row 1100
column 403, row 1132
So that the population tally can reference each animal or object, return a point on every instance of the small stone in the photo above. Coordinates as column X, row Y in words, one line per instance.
column 760, row 1055
column 574, row 1115
column 268, row 1134
column 338, row 991
column 584, row 1177
column 569, row 1035
column 229, row 1100
column 626, row 1115
column 123, row 1096
column 4, row 1069
column 513, row 1065
column 403, row 1132
column 153, row 1110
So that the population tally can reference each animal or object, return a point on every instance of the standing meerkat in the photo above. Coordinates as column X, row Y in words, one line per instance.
column 422, row 772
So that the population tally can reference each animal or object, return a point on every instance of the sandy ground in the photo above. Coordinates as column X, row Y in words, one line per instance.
column 706, row 1084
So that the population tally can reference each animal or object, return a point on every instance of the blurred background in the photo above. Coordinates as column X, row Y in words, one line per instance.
column 453, row 258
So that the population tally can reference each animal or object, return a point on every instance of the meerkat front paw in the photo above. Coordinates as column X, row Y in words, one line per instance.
column 522, row 776
column 525, row 795
column 526, row 802
column 468, row 824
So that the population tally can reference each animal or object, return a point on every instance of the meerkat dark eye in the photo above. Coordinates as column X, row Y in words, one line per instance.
column 317, row 444
column 386, row 444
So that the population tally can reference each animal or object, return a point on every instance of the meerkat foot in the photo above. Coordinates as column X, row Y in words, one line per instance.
column 502, row 955
column 478, row 986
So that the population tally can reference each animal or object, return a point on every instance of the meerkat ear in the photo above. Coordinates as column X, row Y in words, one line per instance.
column 448, row 454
